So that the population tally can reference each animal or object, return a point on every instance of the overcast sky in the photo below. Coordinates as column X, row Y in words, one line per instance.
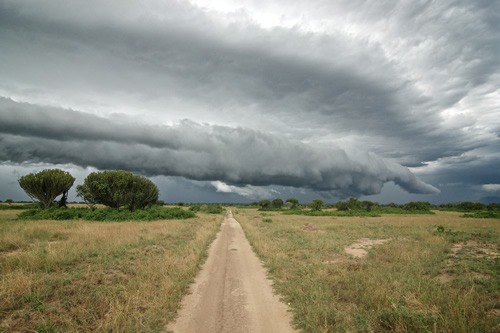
column 218, row 100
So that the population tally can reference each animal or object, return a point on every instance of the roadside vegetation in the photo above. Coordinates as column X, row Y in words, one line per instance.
column 80, row 276
column 209, row 209
column 396, row 273
column 107, row 214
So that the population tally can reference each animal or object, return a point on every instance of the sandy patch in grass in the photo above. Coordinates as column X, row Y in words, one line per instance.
column 468, row 249
column 310, row 227
column 359, row 248
column 472, row 248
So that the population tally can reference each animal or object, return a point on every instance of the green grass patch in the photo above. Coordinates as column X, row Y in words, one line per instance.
column 484, row 214
column 270, row 209
column 17, row 206
column 208, row 209
column 375, row 212
column 106, row 214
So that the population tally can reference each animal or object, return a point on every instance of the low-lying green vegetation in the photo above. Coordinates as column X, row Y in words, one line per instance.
column 484, row 214
column 19, row 206
column 330, row 213
column 366, row 208
column 107, row 214
column 473, row 209
column 394, row 273
column 209, row 209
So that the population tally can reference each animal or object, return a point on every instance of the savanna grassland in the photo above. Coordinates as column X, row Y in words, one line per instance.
column 428, row 273
column 81, row 276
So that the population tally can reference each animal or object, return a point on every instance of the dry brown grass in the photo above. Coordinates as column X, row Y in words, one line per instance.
column 78, row 276
column 396, row 287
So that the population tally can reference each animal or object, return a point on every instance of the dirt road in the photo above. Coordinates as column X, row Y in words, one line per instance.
column 232, row 293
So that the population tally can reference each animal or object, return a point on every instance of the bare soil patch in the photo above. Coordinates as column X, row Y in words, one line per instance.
column 470, row 249
column 359, row 248
column 310, row 227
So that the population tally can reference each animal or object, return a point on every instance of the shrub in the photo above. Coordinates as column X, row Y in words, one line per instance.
column 471, row 206
column 214, row 209
column 106, row 214
column 294, row 202
column 316, row 204
column 264, row 203
column 277, row 203
column 195, row 208
column 417, row 205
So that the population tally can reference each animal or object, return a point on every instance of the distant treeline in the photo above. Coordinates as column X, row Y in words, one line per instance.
column 356, row 207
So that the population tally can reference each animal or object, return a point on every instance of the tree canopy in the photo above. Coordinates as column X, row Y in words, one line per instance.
column 118, row 188
column 294, row 202
column 277, row 203
column 46, row 185
column 316, row 204
column 265, row 203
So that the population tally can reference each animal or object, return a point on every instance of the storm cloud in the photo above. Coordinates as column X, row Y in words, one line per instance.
column 184, row 87
column 236, row 156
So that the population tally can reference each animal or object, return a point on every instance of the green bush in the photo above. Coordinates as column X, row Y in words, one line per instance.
column 106, row 214
column 195, row 208
column 294, row 202
column 214, row 209
column 316, row 204
column 209, row 209
column 264, row 204
column 277, row 203
column 484, row 214
column 417, row 205
column 19, row 207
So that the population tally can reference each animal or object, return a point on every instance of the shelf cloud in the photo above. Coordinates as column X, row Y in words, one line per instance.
column 235, row 156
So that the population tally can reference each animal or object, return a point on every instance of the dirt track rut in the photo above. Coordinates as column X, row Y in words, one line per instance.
column 232, row 292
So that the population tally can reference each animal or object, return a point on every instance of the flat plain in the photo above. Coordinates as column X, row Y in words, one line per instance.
column 395, row 273
column 81, row 276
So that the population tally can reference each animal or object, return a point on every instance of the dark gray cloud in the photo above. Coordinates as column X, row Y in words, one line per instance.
column 416, row 82
column 200, row 152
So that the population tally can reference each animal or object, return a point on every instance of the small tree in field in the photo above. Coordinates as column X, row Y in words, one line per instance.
column 368, row 205
column 316, row 204
column 293, row 202
column 264, row 203
column 9, row 201
column 117, row 188
column 277, row 203
column 46, row 185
